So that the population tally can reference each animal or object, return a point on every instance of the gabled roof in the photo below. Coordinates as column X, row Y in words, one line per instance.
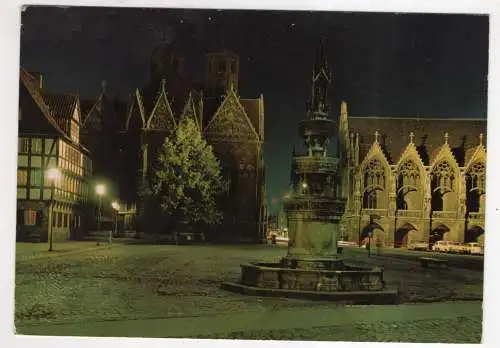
column 375, row 151
column 61, row 105
column 463, row 134
column 33, row 88
column 443, row 153
column 237, row 119
column 410, row 153
column 477, row 153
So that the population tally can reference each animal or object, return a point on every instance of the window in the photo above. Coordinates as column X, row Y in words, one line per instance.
column 221, row 66
column 23, row 145
column 22, row 177
column 233, row 67
column 49, row 143
column 36, row 177
column 36, row 145
column 65, row 220
column 370, row 200
column 30, row 217
column 59, row 219
column 442, row 178
column 75, row 132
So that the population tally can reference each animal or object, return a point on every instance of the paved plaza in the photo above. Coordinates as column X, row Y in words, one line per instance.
column 173, row 291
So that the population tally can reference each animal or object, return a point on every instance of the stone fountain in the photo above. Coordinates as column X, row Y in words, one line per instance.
column 312, row 267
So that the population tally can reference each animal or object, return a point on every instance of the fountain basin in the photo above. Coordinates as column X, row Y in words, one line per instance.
column 344, row 283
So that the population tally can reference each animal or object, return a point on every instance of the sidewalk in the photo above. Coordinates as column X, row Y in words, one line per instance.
column 186, row 327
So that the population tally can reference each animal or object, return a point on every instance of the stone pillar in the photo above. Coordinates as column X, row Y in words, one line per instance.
column 311, row 238
column 482, row 203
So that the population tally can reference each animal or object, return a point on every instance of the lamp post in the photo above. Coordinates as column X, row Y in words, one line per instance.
column 53, row 174
column 116, row 208
column 100, row 189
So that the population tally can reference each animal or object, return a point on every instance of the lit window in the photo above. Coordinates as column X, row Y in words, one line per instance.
column 75, row 132
column 35, row 177
column 36, row 145
column 23, row 145
column 30, row 217
column 22, row 177
column 48, row 146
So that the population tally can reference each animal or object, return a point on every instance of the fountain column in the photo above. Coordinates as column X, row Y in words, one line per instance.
column 314, row 208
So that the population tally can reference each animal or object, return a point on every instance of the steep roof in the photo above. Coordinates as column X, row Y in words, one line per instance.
column 429, row 135
column 61, row 105
column 32, row 86
column 252, row 108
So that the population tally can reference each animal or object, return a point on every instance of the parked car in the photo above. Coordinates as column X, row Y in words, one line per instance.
column 475, row 249
column 418, row 245
column 458, row 248
column 442, row 246
column 346, row 244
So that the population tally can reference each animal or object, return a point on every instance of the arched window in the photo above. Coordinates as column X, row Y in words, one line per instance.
column 477, row 176
column 442, row 178
column 407, row 180
column 475, row 186
column 374, row 175
column 374, row 180
column 409, row 175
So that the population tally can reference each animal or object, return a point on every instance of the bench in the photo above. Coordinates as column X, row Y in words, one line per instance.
column 427, row 261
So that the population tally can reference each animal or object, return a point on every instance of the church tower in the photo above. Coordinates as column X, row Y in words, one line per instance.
column 222, row 70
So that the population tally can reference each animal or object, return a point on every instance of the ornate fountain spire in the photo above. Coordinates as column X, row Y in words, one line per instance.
column 321, row 79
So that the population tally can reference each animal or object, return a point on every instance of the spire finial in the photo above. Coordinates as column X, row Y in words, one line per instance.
column 446, row 136
column 343, row 107
column 411, row 137
column 377, row 134
column 481, row 139
column 163, row 82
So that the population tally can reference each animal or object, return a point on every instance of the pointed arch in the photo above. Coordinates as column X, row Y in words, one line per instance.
column 410, row 178
column 403, row 235
column 231, row 121
column 475, row 187
column 162, row 117
column 374, row 175
column 377, row 233
column 140, row 106
column 189, row 111
column 474, row 234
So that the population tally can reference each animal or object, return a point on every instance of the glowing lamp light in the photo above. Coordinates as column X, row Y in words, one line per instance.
column 100, row 189
column 115, row 205
column 53, row 174
column 304, row 185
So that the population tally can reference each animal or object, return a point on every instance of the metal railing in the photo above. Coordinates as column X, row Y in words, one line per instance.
column 305, row 164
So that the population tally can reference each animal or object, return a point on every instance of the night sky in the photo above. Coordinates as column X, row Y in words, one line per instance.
column 383, row 64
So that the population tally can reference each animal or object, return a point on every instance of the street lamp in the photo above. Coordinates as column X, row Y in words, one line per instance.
column 53, row 174
column 100, row 189
column 116, row 208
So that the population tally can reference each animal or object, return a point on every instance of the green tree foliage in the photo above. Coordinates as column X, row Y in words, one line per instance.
column 187, row 178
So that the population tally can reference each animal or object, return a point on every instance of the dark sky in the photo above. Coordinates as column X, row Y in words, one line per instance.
column 383, row 64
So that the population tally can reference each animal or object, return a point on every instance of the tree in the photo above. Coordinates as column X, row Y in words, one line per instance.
column 187, row 178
